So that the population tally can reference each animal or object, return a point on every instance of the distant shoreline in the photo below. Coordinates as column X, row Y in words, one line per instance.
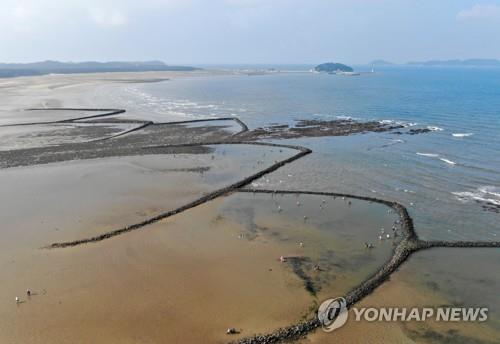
column 9, row 70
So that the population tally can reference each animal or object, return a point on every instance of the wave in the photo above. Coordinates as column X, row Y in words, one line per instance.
column 346, row 118
column 176, row 107
column 434, row 128
column 488, row 194
column 448, row 161
column 410, row 124
column 432, row 155
column 490, row 190
column 462, row 134
column 402, row 123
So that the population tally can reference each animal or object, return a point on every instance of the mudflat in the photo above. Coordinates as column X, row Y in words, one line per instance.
column 125, row 228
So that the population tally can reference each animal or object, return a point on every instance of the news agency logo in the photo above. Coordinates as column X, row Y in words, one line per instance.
column 333, row 314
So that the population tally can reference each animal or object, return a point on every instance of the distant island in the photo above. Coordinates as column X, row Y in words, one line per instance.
column 440, row 63
column 381, row 63
column 458, row 63
column 56, row 67
column 332, row 67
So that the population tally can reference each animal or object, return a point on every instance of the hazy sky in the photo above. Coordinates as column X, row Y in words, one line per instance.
column 248, row 31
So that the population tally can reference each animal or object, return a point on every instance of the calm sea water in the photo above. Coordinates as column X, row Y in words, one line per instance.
column 439, row 176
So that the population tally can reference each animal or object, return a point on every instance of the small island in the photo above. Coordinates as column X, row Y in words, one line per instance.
column 332, row 67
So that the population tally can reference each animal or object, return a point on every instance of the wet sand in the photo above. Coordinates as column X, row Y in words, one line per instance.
column 99, row 292
column 433, row 278
column 93, row 90
column 22, row 137
column 186, row 278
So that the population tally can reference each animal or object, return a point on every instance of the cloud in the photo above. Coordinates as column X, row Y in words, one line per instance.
column 40, row 14
column 480, row 12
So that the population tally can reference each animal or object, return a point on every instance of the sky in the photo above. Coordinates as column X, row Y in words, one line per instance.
column 248, row 31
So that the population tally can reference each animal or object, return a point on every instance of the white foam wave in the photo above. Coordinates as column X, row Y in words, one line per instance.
column 386, row 121
column 174, row 107
column 346, row 118
column 410, row 124
column 462, row 134
column 434, row 128
column 488, row 194
column 448, row 161
column 490, row 190
column 402, row 123
column 432, row 155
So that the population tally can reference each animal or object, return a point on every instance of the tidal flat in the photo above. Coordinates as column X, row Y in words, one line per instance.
column 189, row 277
column 433, row 278
column 130, row 226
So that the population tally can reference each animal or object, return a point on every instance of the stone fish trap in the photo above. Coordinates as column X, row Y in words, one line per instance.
column 409, row 243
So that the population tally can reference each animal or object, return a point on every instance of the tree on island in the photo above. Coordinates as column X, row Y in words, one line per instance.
column 331, row 67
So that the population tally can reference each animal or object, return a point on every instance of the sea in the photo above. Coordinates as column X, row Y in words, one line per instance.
column 449, row 177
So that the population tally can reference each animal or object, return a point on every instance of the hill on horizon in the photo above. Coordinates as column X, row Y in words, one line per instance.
column 57, row 67
column 457, row 62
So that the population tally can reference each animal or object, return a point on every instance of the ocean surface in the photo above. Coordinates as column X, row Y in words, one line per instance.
column 443, row 177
